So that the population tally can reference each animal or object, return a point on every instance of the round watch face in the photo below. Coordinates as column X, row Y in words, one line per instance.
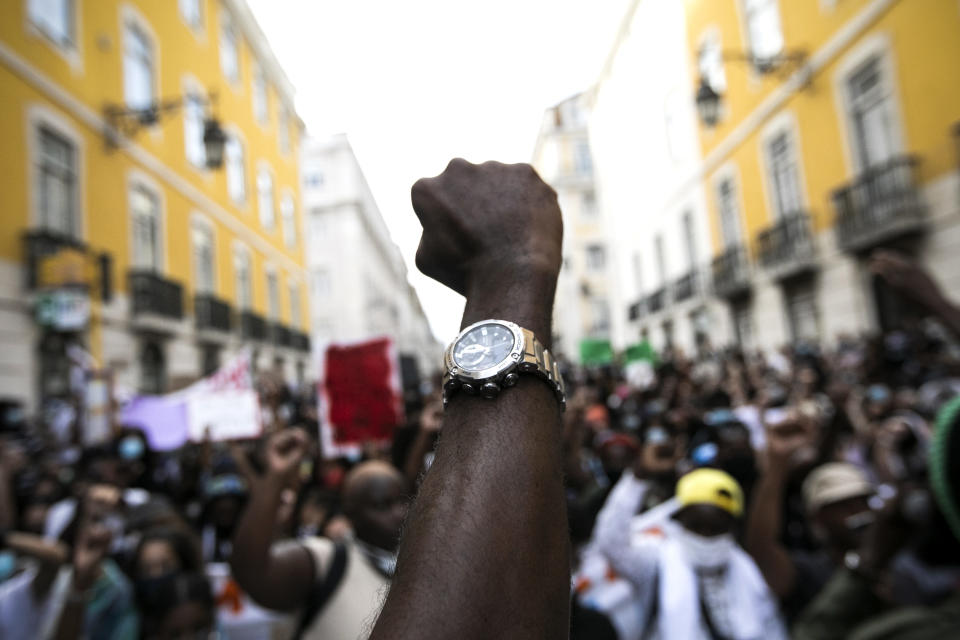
column 483, row 347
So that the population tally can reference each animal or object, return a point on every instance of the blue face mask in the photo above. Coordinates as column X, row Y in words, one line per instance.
column 131, row 448
column 8, row 564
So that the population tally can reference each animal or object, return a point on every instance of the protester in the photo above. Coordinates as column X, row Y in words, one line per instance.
column 830, row 464
column 336, row 587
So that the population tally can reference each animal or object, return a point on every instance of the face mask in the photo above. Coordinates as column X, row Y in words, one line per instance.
column 131, row 448
column 703, row 552
column 8, row 563
column 148, row 589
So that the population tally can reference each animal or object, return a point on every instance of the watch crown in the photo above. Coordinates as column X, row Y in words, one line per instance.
column 490, row 390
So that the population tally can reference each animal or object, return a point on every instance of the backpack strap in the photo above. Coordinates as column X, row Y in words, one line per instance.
column 322, row 590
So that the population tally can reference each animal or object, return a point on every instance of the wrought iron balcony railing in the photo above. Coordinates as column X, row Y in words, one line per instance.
column 731, row 272
column 211, row 313
column 787, row 248
column 252, row 326
column 151, row 293
column 882, row 204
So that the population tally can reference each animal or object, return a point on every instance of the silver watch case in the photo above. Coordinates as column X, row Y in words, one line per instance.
column 487, row 381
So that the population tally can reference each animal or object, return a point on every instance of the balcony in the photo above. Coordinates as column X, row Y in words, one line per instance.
column 731, row 273
column 153, row 295
column 881, row 205
column 281, row 335
column 657, row 300
column 686, row 286
column 636, row 310
column 252, row 326
column 786, row 249
column 211, row 313
column 301, row 341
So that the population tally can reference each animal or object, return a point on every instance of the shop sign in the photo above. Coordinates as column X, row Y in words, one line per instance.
column 63, row 310
column 65, row 267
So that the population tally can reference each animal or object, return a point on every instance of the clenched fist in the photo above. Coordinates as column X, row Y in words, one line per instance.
column 484, row 222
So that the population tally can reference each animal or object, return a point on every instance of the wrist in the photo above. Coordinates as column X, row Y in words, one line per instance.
column 519, row 293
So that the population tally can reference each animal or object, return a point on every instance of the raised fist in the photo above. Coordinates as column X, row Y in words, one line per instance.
column 488, row 225
column 285, row 451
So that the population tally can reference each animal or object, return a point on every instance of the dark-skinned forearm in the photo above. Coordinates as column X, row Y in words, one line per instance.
column 250, row 560
column 485, row 549
column 764, row 524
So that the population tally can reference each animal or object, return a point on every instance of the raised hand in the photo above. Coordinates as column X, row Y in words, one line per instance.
column 91, row 547
column 285, row 451
column 486, row 225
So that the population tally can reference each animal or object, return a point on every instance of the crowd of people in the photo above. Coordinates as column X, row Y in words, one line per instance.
column 730, row 494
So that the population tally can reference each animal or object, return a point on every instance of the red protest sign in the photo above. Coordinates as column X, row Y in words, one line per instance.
column 361, row 400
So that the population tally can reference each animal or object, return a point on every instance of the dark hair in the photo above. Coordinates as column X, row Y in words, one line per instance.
column 182, row 544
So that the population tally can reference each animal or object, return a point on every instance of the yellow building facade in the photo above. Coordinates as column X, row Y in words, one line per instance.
column 828, row 131
column 117, row 237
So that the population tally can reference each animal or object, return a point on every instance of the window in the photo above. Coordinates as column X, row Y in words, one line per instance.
column 320, row 284
column 783, row 173
column 273, row 296
column 244, row 281
column 588, row 204
column 871, row 113
column 57, row 183
column 764, row 34
column 583, row 162
column 209, row 358
column 192, row 13
column 265, row 199
column 229, row 48
column 283, row 126
column 153, row 372
column 710, row 63
column 288, row 217
column 236, row 170
column 203, row 258
column 690, row 240
column 314, row 179
column 600, row 316
column 729, row 213
column 145, row 219
column 638, row 271
column 802, row 313
column 193, row 117
column 743, row 323
column 259, row 95
column 596, row 258
column 54, row 18
column 661, row 259
column 294, row 292
column 138, row 81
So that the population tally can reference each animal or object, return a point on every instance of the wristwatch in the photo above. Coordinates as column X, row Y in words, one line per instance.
column 491, row 355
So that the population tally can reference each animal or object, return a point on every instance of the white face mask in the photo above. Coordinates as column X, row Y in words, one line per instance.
column 702, row 552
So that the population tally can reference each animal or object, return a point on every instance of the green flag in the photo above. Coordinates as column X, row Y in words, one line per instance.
column 595, row 352
column 640, row 351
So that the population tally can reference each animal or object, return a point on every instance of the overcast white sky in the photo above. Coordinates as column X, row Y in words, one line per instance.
column 414, row 83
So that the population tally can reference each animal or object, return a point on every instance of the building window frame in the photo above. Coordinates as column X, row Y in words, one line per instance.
column 731, row 235
column 784, row 125
column 194, row 21
column 595, row 257
column 201, row 225
column 260, row 95
column 40, row 118
column 133, row 21
column 271, row 279
column 237, row 180
column 712, row 68
column 288, row 219
column 283, row 129
column 194, row 118
column 242, row 260
column 138, row 181
column 876, row 47
column 266, row 197
column 65, row 43
column 296, row 303
column 229, row 47
column 758, row 17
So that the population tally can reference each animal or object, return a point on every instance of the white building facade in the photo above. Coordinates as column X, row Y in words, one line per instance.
column 587, row 291
column 643, row 134
column 357, row 277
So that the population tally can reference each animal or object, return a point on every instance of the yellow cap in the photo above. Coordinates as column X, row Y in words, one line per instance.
column 711, row 486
